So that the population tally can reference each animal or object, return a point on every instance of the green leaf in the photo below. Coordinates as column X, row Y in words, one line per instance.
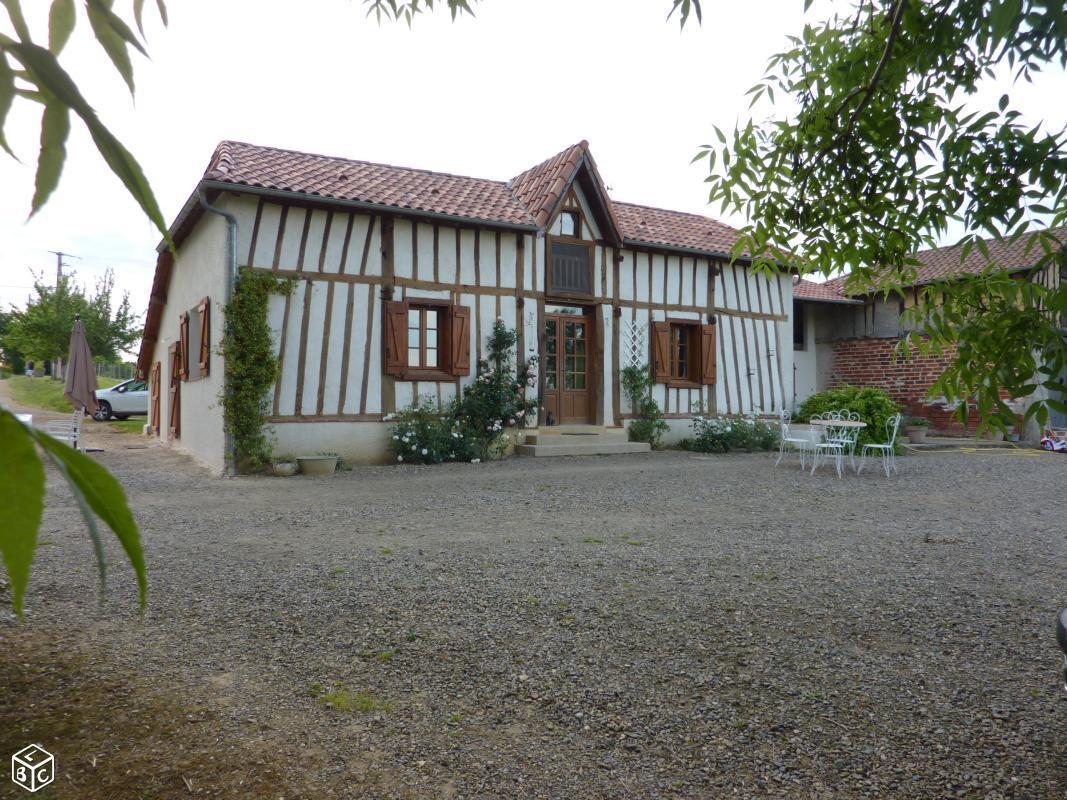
column 138, row 15
column 90, row 520
column 54, row 78
column 112, row 42
column 7, row 97
column 1002, row 16
column 61, row 19
column 22, row 502
column 105, row 497
column 55, row 127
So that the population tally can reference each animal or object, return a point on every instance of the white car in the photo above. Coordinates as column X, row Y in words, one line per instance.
column 122, row 401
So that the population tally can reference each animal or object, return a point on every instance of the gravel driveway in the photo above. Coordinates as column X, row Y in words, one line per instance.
column 662, row 625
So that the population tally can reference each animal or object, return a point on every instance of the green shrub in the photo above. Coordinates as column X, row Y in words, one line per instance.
column 473, row 426
column 424, row 435
column 721, row 434
column 649, row 425
column 873, row 405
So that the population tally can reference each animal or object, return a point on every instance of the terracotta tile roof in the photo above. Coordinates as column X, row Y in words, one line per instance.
column 657, row 226
column 540, row 187
column 944, row 262
column 940, row 263
column 826, row 292
column 363, row 181
column 526, row 200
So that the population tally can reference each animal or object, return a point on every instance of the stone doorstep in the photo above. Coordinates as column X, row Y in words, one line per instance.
column 581, row 448
column 548, row 437
column 961, row 442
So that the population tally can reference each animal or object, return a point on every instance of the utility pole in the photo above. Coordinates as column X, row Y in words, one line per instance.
column 59, row 264
column 57, row 364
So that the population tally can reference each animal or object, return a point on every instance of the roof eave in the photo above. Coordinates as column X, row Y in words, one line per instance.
column 362, row 205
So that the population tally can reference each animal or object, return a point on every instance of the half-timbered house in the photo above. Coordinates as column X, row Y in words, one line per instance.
column 400, row 273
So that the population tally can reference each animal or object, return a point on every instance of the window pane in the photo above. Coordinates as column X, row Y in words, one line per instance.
column 431, row 319
column 431, row 337
column 431, row 357
column 413, row 357
column 413, row 318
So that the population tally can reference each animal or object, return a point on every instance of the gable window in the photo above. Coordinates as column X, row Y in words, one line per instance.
column 426, row 340
column 683, row 353
column 566, row 224
column 570, row 271
column 799, row 322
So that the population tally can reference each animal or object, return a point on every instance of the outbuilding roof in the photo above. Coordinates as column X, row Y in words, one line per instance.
column 940, row 263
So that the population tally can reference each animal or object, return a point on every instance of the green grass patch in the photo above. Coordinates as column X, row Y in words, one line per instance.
column 349, row 701
column 46, row 393
column 135, row 425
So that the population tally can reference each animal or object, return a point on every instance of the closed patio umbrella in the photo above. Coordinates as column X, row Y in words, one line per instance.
column 80, row 387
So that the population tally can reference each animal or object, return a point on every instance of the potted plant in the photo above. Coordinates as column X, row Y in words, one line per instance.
column 318, row 464
column 284, row 466
column 916, row 428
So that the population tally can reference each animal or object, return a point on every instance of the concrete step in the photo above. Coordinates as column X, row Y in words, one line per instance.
column 577, row 447
column 603, row 436
column 573, row 428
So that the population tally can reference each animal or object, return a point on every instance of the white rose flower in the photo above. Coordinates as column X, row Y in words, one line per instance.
column 476, row 461
column 424, row 451
column 399, row 458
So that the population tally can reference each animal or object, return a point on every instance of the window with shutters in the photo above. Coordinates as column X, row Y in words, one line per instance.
column 195, row 341
column 426, row 340
column 683, row 353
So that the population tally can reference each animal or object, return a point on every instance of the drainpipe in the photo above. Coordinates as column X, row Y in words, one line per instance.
column 231, row 255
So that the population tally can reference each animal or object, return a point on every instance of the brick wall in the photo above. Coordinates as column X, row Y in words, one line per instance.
column 874, row 362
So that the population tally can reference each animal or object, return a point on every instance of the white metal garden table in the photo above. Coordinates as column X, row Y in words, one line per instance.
column 825, row 428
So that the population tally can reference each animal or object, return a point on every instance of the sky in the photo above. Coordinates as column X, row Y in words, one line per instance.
column 487, row 96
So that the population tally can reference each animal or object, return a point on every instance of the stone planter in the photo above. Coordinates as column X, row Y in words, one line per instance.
column 994, row 436
column 285, row 469
column 317, row 465
column 916, row 433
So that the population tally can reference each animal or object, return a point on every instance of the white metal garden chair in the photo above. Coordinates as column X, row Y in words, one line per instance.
column 66, row 431
column 888, row 450
column 791, row 440
column 835, row 442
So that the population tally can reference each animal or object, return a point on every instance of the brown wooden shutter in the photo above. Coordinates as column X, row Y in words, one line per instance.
column 708, row 353
column 156, row 378
column 183, row 346
column 661, row 348
column 396, row 338
column 459, row 340
column 205, row 336
column 174, row 423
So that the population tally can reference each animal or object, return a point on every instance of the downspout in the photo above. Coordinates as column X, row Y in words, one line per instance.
column 231, row 250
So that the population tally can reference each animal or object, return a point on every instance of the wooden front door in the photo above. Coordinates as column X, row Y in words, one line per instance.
column 568, row 358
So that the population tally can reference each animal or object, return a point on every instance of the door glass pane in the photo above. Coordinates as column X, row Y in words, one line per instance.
column 579, row 347
column 579, row 380
column 579, row 330
column 550, row 327
column 569, row 345
column 568, row 380
column 550, row 380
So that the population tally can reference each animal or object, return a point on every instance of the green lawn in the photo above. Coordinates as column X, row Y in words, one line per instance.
column 45, row 392
column 134, row 425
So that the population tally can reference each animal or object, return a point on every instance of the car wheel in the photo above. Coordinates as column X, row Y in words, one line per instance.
column 103, row 411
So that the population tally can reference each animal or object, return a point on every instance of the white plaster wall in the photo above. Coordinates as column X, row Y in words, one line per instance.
column 200, row 270
column 355, row 442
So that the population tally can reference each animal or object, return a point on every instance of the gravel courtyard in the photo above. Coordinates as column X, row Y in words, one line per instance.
column 664, row 625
